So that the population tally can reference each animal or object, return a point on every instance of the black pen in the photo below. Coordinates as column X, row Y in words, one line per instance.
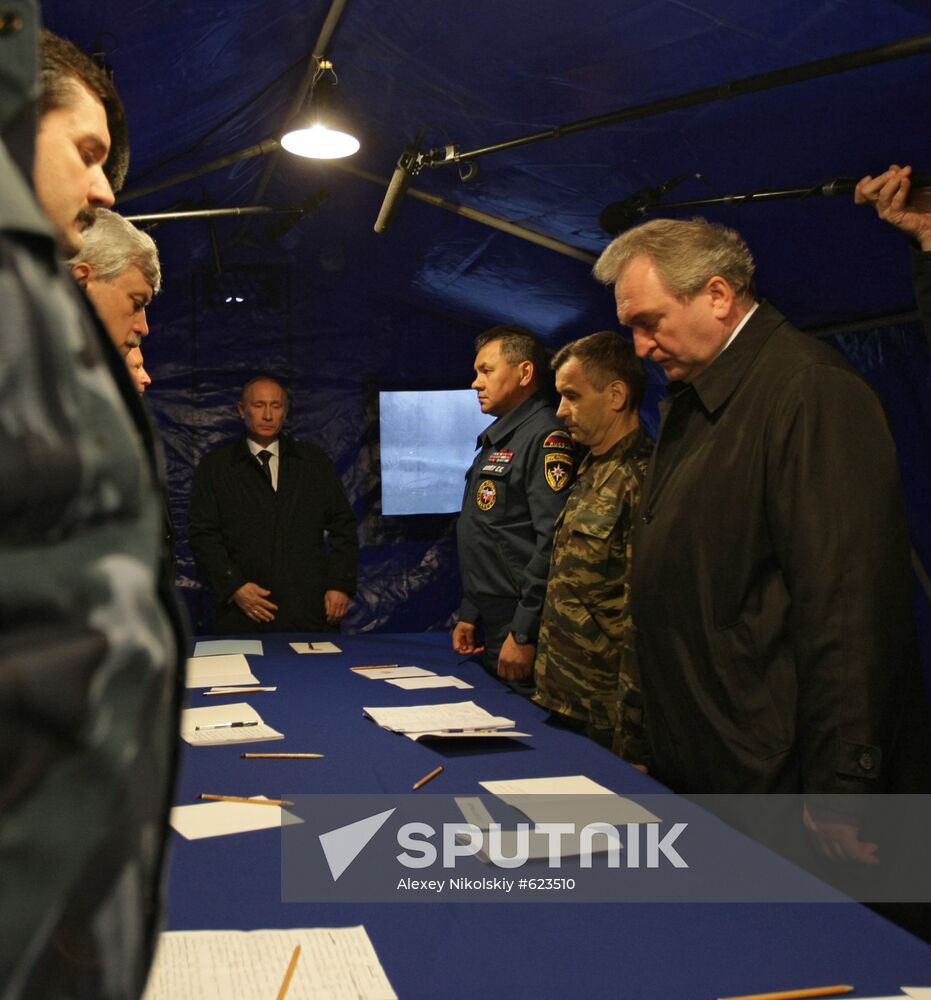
column 226, row 725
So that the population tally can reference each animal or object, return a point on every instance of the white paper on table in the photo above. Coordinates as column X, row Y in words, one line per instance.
column 468, row 734
column 220, row 819
column 537, row 845
column 460, row 717
column 547, row 800
column 917, row 992
column 391, row 673
column 212, row 715
column 336, row 963
column 220, row 647
column 218, row 671
column 475, row 811
column 319, row 647
column 251, row 689
column 416, row 683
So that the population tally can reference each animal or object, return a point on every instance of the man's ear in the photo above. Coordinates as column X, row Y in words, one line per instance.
column 526, row 372
column 242, row 410
column 722, row 296
column 619, row 395
column 82, row 272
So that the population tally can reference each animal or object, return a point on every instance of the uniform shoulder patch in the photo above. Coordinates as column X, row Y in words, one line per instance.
column 559, row 439
column 558, row 466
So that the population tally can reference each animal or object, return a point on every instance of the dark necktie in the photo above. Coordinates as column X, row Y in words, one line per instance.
column 264, row 458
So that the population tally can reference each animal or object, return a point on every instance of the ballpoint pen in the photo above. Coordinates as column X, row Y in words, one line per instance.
column 226, row 725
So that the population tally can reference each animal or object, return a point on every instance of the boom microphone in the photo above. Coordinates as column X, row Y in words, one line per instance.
column 407, row 169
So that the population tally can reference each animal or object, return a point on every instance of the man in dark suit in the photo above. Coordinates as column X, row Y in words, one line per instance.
column 771, row 586
column 271, row 527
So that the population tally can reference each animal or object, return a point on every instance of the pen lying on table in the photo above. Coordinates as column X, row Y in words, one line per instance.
column 244, row 799
column 282, row 756
column 226, row 725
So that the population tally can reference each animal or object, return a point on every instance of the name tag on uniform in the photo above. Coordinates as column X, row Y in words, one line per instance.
column 497, row 469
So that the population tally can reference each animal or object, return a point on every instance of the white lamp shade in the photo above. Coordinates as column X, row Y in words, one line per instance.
column 319, row 142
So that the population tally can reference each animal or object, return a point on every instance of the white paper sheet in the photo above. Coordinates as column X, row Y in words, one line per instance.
column 212, row 715
column 418, row 683
column 216, row 671
column 918, row 992
column 547, row 800
column 251, row 689
column 319, row 647
column 469, row 734
column 391, row 672
column 335, row 964
column 570, row 784
column 461, row 717
column 220, row 647
column 220, row 819
column 537, row 845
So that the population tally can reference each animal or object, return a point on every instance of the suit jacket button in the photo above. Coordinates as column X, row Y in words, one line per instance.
column 647, row 516
column 866, row 761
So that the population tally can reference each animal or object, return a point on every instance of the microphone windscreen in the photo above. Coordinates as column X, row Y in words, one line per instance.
column 397, row 188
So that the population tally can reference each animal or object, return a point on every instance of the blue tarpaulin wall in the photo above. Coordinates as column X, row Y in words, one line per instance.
column 341, row 312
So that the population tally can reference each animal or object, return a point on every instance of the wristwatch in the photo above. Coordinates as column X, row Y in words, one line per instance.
column 522, row 639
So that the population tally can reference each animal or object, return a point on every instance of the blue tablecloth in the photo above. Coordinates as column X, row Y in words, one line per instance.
column 668, row 951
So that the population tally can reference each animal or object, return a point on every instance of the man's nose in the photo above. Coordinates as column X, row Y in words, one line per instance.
column 563, row 410
column 100, row 194
column 643, row 343
column 142, row 324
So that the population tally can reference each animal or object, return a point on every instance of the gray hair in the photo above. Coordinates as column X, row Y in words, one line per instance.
column 686, row 254
column 112, row 245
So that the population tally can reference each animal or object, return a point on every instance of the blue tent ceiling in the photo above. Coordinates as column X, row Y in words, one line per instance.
column 342, row 312
column 202, row 80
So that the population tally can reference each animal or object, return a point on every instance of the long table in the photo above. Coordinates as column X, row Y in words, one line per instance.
column 666, row 951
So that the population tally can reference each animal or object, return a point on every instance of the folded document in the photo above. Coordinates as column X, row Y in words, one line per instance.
column 455, row 720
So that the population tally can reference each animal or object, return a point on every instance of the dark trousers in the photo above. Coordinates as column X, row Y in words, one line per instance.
column 496, row 616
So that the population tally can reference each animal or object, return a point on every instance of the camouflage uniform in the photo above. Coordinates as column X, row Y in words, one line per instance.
column 586, row 668
column 89, row 653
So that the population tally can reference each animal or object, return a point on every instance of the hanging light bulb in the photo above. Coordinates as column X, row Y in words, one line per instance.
column 318, row 130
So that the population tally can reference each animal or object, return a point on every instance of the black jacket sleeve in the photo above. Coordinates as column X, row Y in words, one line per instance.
column 341, row 534
column 206, row 537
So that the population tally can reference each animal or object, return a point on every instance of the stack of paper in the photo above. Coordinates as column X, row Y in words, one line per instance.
column 223, row 647
column 219, row 671
column 391, row 671
column 338, row 963
column 419, row 683
column 224, row 724
column 220, row 819
column 315, row 647
column 409, row 678
column 455, row 720
column 574, row 801
column 572, row 798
